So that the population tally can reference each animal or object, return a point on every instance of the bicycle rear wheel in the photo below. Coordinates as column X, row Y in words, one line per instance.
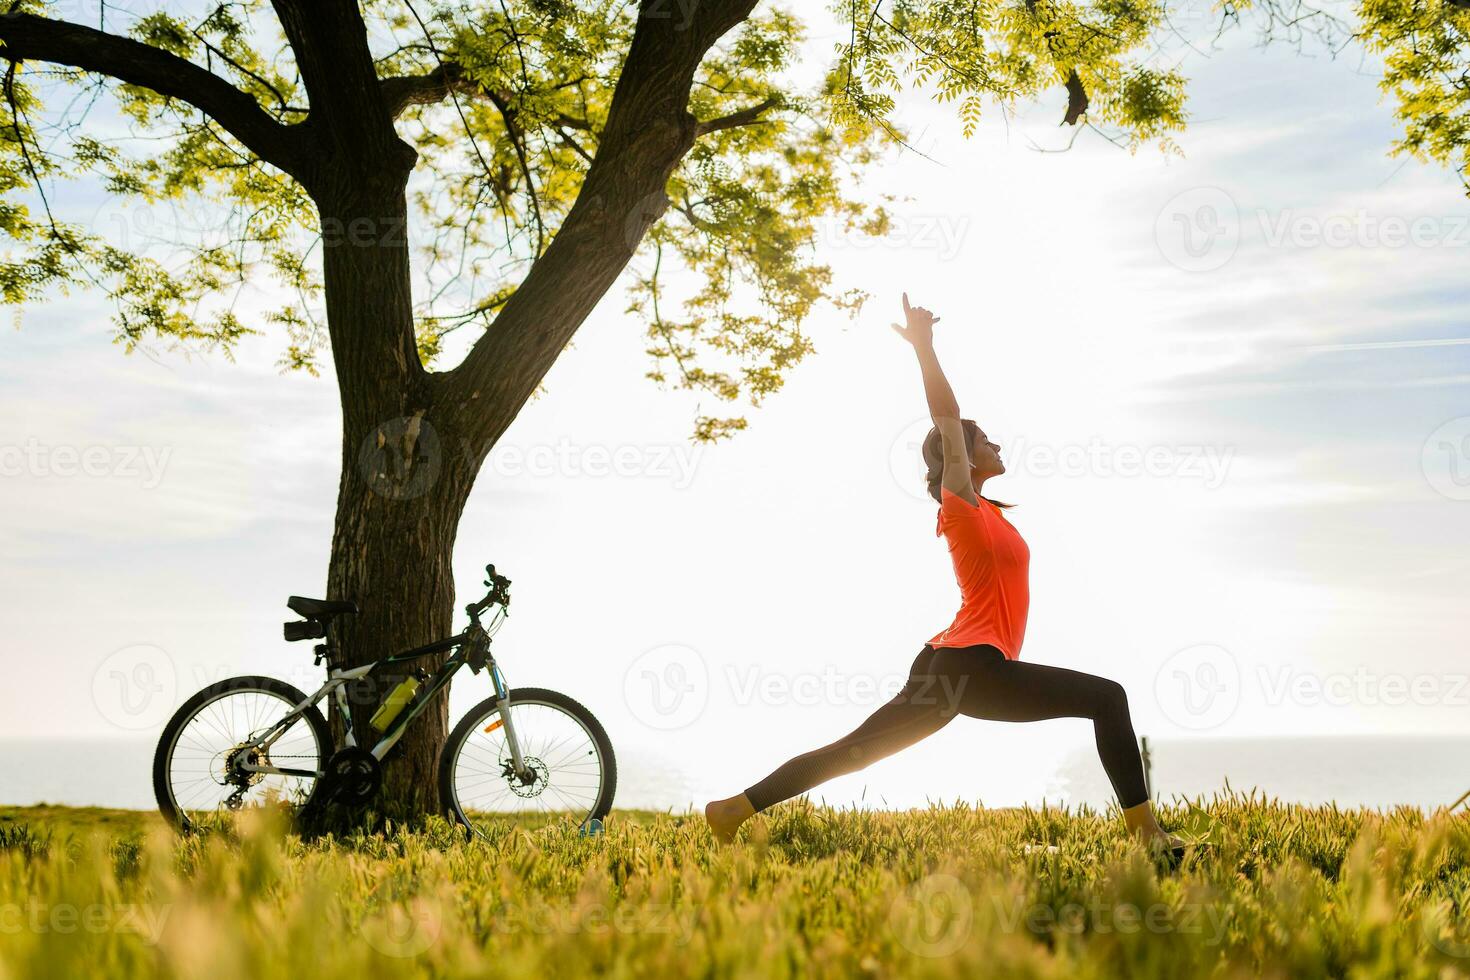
column 196, row 765
column 567, row 752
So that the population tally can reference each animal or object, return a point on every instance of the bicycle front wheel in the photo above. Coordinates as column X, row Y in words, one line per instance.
column 570, row 774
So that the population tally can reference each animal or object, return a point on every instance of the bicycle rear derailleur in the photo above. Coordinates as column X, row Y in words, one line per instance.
column 240, row 778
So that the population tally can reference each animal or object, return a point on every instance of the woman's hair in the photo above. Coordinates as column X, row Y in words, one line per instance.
column 934, row 458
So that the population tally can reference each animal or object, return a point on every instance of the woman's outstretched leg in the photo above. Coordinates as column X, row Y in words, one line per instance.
column 927, row 702
column 1010, row 690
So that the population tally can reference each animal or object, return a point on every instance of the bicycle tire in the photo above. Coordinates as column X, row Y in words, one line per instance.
column 163, row 754
column 477, row 716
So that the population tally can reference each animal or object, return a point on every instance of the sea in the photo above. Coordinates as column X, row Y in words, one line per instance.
column 1377, row 772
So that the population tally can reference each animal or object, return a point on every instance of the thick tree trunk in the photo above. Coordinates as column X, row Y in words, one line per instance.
column 397, row 512
column 404, row 481
column 413, row 441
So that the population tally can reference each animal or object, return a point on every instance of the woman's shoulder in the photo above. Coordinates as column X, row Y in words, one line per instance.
column 951, row 501
column 955, row 511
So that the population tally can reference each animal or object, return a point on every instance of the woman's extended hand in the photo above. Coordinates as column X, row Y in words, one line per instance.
column 919, row 324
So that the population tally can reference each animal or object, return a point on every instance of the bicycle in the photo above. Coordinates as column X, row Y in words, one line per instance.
column 520, row 752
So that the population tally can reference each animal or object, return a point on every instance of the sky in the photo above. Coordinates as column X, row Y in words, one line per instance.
column 1230, row 388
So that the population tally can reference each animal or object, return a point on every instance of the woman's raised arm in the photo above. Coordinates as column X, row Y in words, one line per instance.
column 944, row 408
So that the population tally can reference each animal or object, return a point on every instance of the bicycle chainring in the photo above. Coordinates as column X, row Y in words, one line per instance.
column 353, row 777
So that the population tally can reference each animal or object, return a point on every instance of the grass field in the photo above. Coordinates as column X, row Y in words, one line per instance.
column 1277, row 891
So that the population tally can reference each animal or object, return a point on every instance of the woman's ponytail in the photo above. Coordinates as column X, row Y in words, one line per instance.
column 933, row 451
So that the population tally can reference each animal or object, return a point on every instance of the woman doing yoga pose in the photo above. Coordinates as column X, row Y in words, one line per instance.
column 971, row 667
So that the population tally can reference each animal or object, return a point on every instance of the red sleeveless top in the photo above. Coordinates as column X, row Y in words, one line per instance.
column 990, row 566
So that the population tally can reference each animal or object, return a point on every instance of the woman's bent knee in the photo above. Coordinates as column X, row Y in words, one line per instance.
column 1112, row 699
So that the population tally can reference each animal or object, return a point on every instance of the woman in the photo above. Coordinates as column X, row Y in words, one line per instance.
column 972, row 667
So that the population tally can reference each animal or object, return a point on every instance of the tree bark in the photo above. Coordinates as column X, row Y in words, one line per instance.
column 26, row 36
column 649, row 130
column 404, row 479
column 413, row 441
column 398, row 508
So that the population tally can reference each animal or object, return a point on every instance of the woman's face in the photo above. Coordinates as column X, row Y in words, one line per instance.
column 985, row 459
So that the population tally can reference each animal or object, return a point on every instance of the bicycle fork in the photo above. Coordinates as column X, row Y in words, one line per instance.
column 502, row 702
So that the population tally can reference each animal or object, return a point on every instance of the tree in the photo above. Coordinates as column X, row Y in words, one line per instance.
column 1425, row 47
column 522, row 152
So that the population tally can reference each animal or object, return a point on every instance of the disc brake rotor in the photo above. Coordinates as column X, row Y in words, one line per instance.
column 540, row 778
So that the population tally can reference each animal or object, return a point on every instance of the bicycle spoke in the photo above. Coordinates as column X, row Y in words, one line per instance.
column 197, row 775
column 559, row 753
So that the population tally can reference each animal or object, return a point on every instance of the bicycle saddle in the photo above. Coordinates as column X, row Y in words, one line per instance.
column 319, row 608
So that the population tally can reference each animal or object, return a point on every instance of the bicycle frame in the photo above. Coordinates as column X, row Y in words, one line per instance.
column 336, row 687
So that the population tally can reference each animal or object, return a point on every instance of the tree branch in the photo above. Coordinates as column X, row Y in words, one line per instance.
column 744, row 117
column 573, row 144
column 264, row 82
column 330, row 43
column 572, row 122
column 26, row 37
column 401, row 91
column 647, row 132
column 513, row 130
column 1076, row 99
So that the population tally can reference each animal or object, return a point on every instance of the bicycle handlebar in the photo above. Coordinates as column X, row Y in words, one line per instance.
column 499, row 594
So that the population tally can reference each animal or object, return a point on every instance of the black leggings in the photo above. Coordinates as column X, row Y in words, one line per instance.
column 979, row 682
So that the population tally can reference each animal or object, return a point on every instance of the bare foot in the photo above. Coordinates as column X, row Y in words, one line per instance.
column 1142, row 825
column 1160, row 838
column 726, row 816
column 1162, row 844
